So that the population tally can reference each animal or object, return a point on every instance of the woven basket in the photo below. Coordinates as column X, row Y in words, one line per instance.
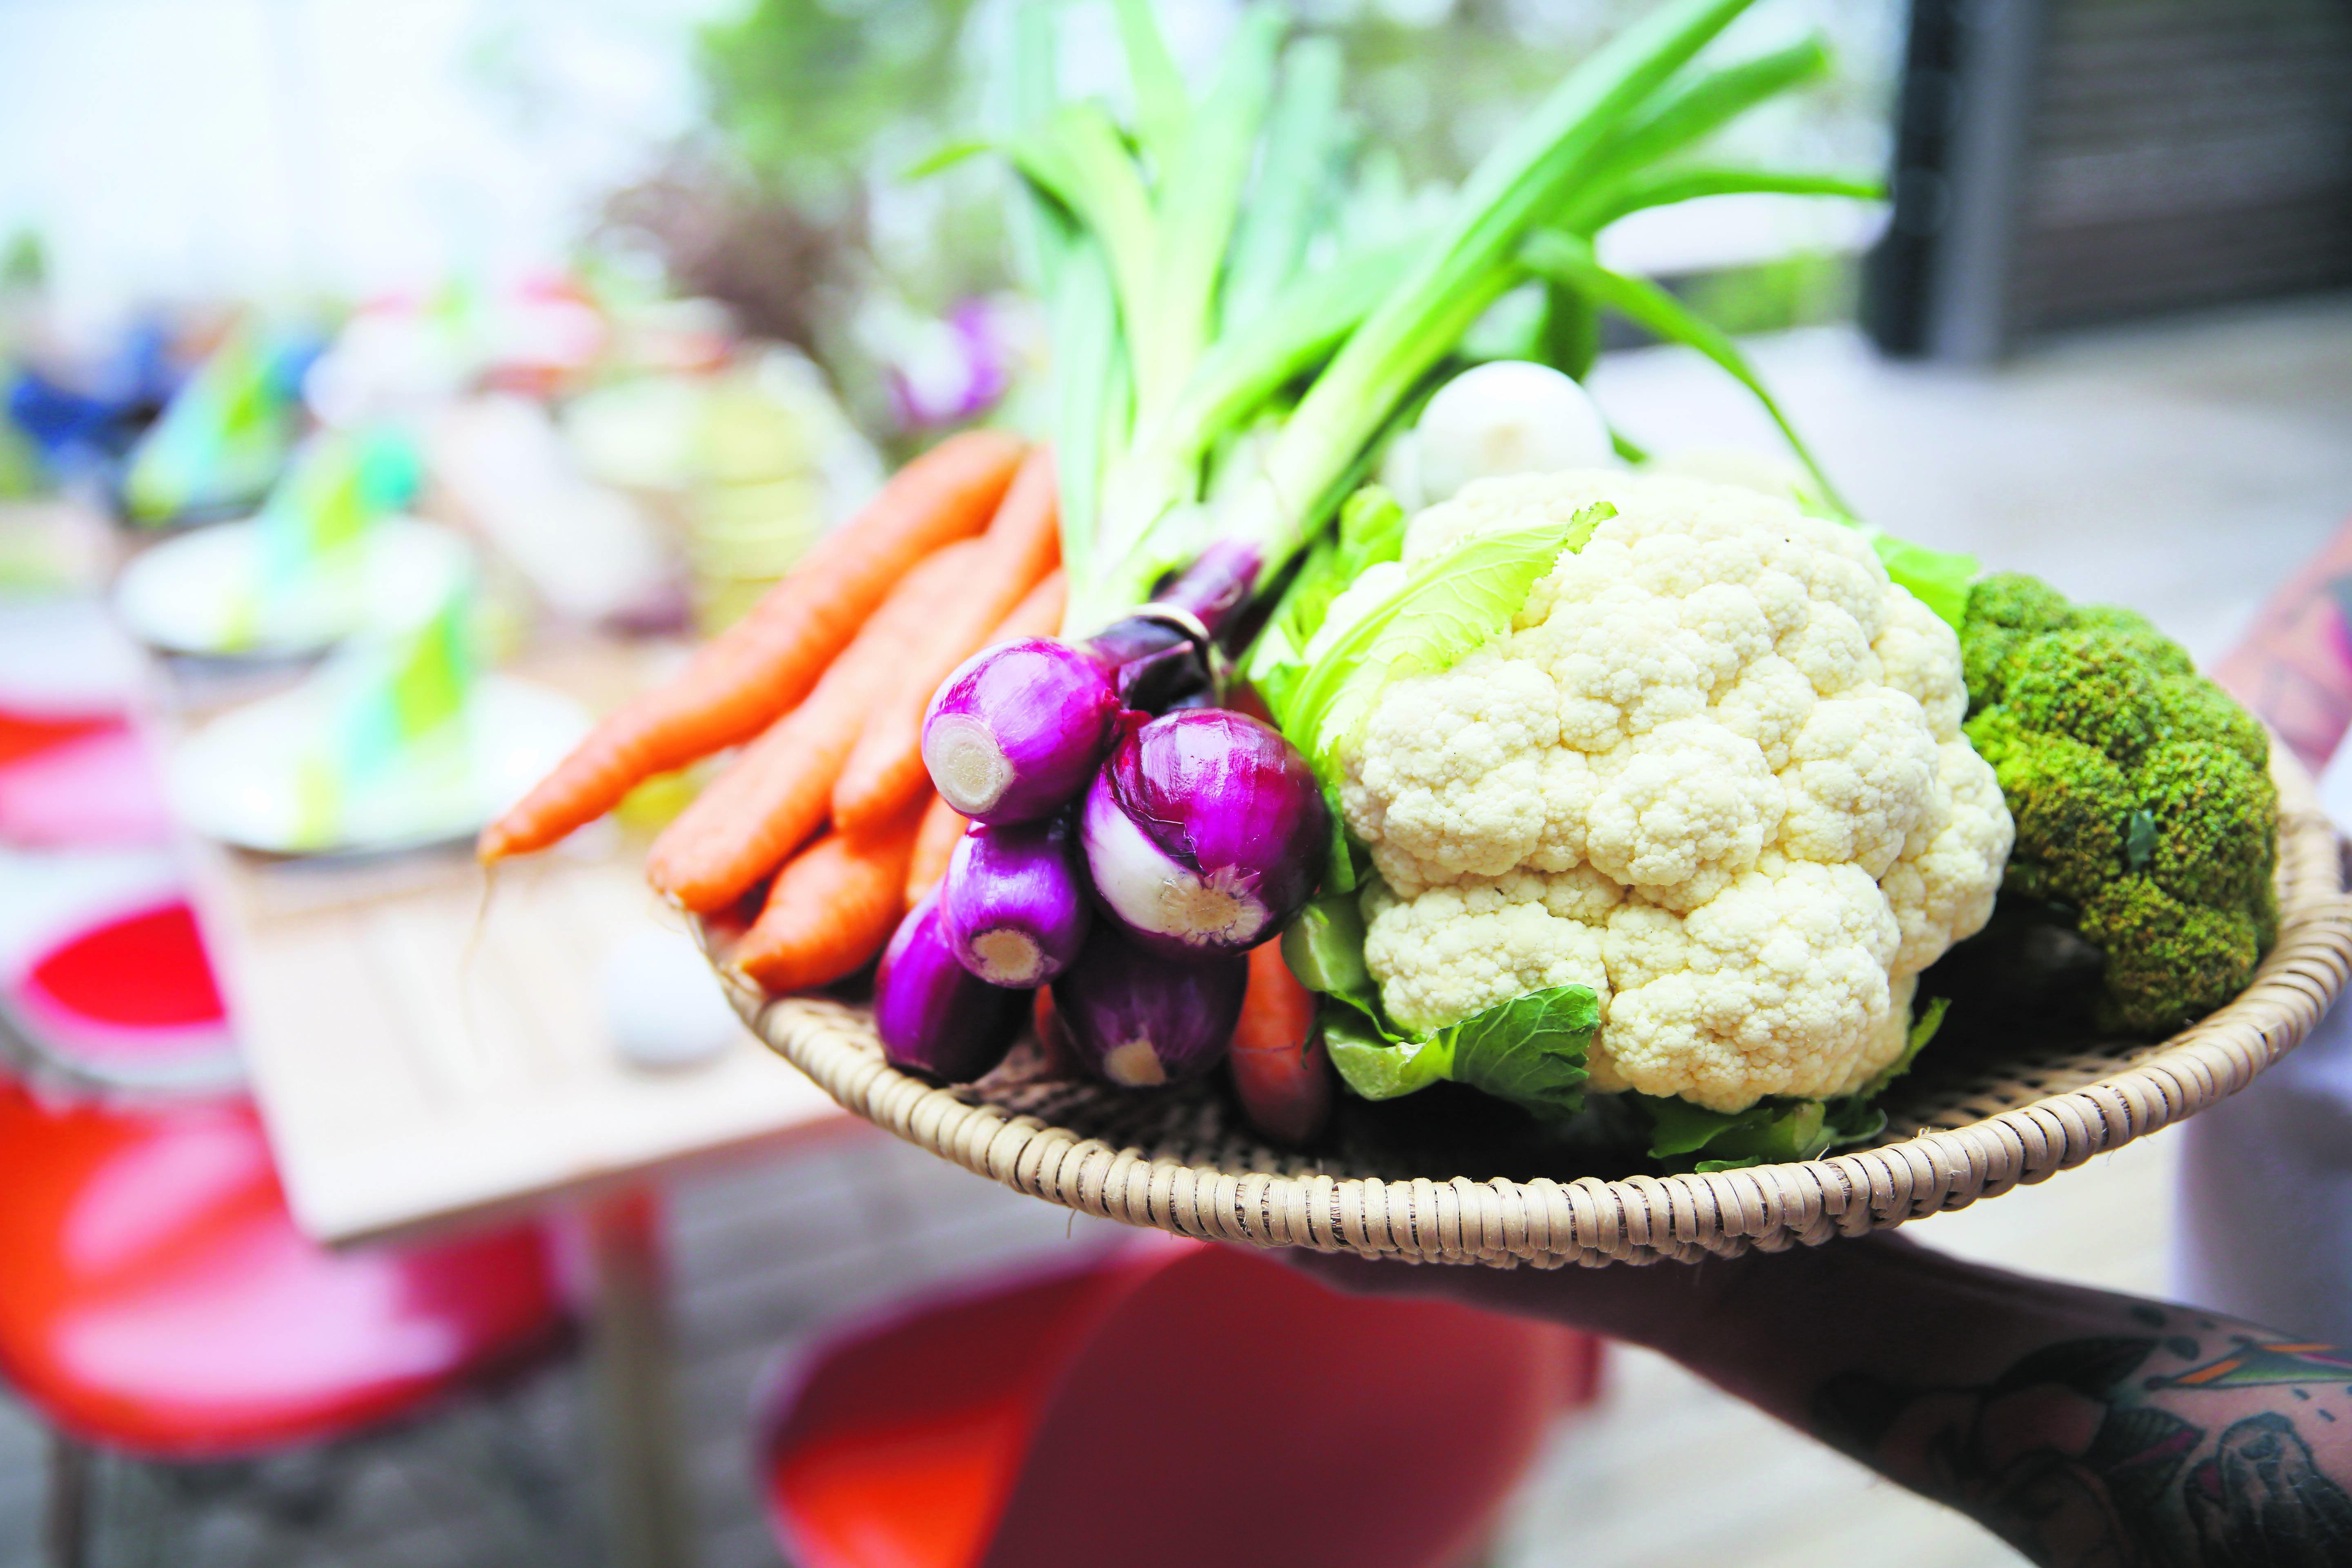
column 1180, row 1159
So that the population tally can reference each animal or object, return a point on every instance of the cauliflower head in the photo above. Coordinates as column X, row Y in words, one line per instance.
column 1714, row 770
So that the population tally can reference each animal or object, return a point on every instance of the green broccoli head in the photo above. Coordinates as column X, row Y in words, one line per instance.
column 2170, row 962
column 2141, row 792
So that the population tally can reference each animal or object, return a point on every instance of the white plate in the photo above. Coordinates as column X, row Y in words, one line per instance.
column 200, row 592
column 242, row 778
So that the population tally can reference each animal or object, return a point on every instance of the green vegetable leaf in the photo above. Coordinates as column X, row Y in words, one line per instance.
column 1695, row 108
column 947, row 155
column 1939, row 579
column 1769, row 1130
column 1531, row 1049
column 1923, row 1030
column 1452, row 606
column 1853, row 1118
column 1324, row 948
column 1377, row 1068
column 1528, row 1050
column 1372, row 530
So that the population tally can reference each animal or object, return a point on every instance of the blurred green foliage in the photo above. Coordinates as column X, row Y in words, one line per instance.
column 795, row 208
column 803, row 90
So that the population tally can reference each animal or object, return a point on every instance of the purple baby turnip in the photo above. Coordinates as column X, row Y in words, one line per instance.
column 934, row 1015
column 1203, row 833
column 1013, row 906
column 1137, row 1018
column 1014, row 732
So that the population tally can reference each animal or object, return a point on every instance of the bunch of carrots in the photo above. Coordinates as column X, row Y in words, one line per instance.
column 823, row 687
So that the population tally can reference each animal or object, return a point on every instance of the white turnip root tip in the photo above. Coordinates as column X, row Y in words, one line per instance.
column 1134, row 1065
column 967, row 765
column 1008, row 957
column 1204, row 911
column 1155, row 894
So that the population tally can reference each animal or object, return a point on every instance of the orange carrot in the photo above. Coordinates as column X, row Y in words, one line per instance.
column 831, row 909
column 1053, row 1037
column 935, row 840
column 766, row 662
column 774, row 796
column 886, row 770
column 1281, row 1071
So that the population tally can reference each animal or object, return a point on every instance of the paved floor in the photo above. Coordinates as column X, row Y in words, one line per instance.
column 2182, row 467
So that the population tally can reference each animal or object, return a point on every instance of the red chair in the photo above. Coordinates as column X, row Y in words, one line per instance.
column 127, row 1001
column 156, row 1298
column 1178, row 1405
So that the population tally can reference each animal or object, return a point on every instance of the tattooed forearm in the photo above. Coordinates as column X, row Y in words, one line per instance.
column 2178, row 1441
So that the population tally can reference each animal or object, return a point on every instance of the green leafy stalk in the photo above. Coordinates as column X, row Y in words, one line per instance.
column 1078, row 157
column 1164, row 109
column 1198, row 197
column 1685, row 115
column 1089, row 395
column 1089, row 361
column 1304, row 138
column 1665, row 189
column 1569, row 259
column 1473, row 261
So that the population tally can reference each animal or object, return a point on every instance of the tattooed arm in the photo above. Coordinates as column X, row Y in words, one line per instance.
column 2089, row 1430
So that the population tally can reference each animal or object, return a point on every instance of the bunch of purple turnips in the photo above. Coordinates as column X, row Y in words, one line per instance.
column 1128, row 861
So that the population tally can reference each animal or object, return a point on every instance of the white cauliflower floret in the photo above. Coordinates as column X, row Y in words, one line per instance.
column 1861, row 774
column 1714, row 770
column 1453, row 771
column 1918, row 653
column 1682, row 811
column 1456, row 951
column 1782, row 988
column 1940, row 888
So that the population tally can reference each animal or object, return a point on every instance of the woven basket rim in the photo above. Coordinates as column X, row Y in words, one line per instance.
column 1636, row 1219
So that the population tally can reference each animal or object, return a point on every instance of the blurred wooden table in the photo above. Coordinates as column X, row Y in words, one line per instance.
column 426, row 1059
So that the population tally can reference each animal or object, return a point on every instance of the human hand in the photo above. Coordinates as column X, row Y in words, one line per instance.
column 1688, row 1311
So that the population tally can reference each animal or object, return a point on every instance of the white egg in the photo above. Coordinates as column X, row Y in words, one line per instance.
column 1508, row 417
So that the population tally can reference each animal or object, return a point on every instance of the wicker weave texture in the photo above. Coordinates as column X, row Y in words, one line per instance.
column 1175, row 1159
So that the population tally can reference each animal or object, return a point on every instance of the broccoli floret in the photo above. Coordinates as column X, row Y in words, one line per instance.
column 2142, row 795
column 2093, row 686
column 2004, row 612
column 2169, row 963
column 2215, row 821
column 2159, row 653
column 2024, row 603
column 2072, row 808
column 2191, row 708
